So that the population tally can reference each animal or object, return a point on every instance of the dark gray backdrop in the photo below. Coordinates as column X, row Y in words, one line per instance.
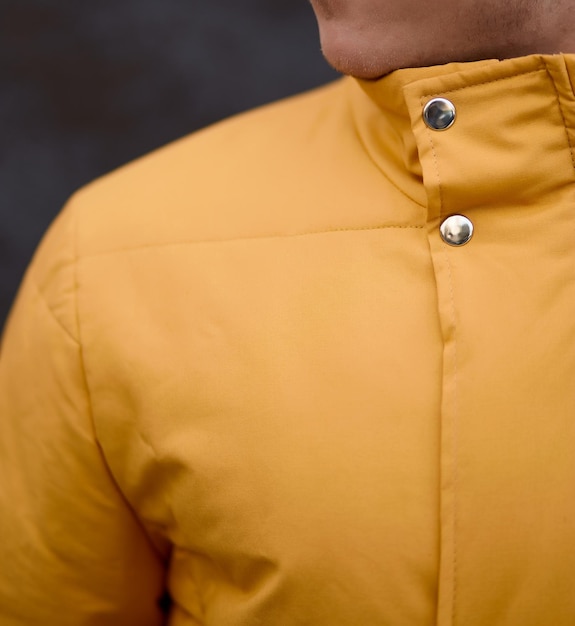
column 88, row 86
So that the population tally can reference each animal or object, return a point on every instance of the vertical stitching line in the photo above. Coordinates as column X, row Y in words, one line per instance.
column 139, row 522
column 455, row 364
column 454, row 442
column 563, row 118
column 436, row 163
column 74, row 220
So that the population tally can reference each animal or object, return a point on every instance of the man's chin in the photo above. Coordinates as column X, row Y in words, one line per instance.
column 362, row 70
column 348, row 56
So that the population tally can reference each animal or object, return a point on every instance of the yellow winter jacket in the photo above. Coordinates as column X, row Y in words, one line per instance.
column 247, row 381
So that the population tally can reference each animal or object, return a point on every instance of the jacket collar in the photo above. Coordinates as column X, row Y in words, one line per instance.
column 513, row 140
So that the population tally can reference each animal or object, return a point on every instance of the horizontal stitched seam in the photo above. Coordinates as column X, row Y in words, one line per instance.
column 254, row 238
column 488, row 82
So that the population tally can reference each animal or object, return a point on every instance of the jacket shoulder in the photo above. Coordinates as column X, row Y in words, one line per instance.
column 218, row 183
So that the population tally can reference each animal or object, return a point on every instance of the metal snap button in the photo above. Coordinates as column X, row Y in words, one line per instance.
column 456, row 230
column 439, row 114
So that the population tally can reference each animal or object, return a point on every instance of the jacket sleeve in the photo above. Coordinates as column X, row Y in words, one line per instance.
column 72, row 552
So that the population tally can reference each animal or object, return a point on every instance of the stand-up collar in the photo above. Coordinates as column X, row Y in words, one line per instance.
column 512, row 141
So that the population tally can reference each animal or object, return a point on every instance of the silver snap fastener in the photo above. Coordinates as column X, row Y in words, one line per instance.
column 456, row 230
column 439, row 114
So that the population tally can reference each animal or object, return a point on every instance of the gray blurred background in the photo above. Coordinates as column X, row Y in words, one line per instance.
column 88, row 86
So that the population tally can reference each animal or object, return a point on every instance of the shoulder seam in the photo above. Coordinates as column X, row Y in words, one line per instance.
column 192, row 242
column 77, row 314
column 53, row 315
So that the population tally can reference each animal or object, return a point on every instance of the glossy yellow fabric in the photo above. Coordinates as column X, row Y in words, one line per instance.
column 246, row 369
